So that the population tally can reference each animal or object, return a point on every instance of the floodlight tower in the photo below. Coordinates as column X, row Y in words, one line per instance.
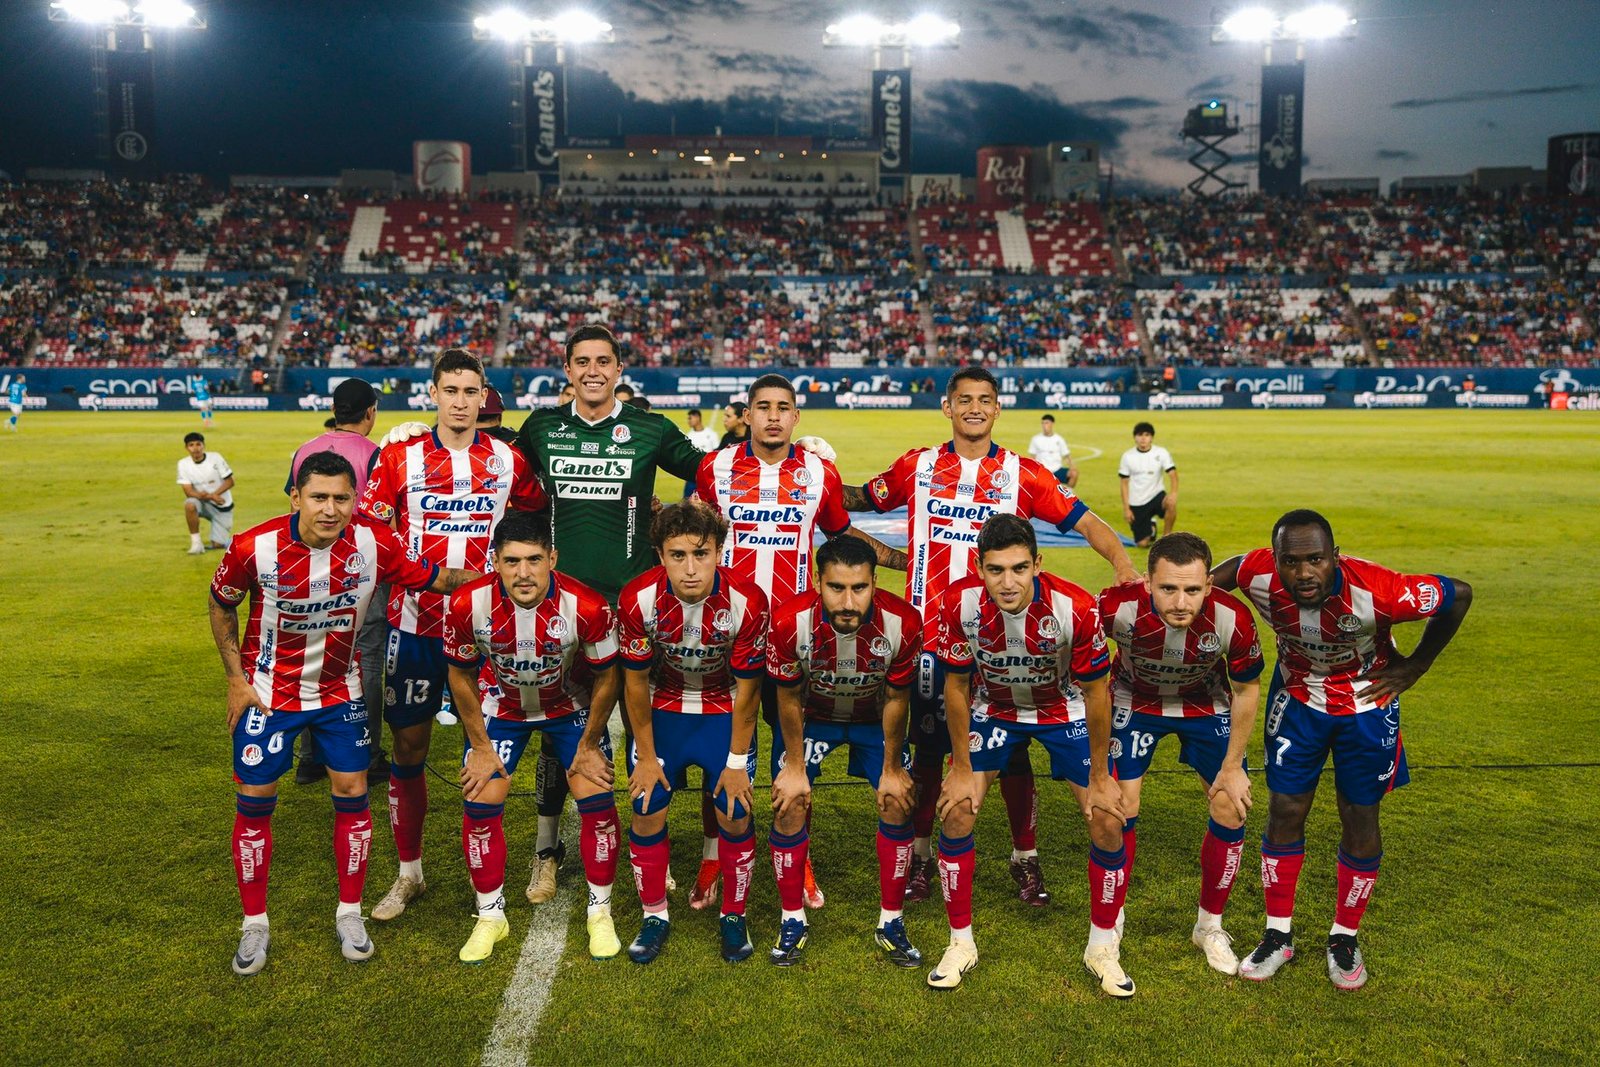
column 539, row 99
column 126, row 31
column 891, row 87
column 1283, row 85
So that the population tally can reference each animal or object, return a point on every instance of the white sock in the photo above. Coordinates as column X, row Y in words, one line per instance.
column 922, row 847
column 1098, row 937
column 411, row 869
column 492, row 904
column 963, row 934
column 194, row 540
column 885, row 916
column 1336, row 930
column 1018, row 855
column 708, row 848
column 347, row 909
column 251, row 920
column 660, row 913
column 549, row 832
column 1281, row 925
column 1207, row 920
column 599, row 898
column 799, row 913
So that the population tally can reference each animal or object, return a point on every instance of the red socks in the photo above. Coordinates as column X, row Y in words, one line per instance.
column 649, row 856
column 1108, row 885
column 737, row 856
column 352, row 843
column 1219, row 865
column 894, row 863
column 789, row 853
column 483, row 840
column 1022, row 808
column 599, row 838
column 956, row 863
column 408, row 806
column 1357, row 877
column 252, row 850
column 1280, row 874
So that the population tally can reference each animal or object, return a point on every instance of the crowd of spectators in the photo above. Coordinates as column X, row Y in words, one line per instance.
column 1248, row 235
column 24, row 299
column 840, row 324
column 342, row 323
column 1249, row 324
column 657, row 326
column 1015, row 323
column 161, row 321
column 1524, row 322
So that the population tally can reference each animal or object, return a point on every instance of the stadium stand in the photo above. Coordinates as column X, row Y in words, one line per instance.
column 1249, row 324
column 1470, row 323
column 656, row 326
column 838, row 324
column 1053, row 325
column 392, row 321
column 163, row 321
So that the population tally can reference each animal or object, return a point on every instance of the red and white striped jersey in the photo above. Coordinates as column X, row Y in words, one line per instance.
column 1181, row 673
column 948, row 498
column 445, row 503
column 1029, row 664
column 307, row 605
column 1322, row 652
column 772, row 509
column 525, row 656
column 845, row 674
column 693, row 651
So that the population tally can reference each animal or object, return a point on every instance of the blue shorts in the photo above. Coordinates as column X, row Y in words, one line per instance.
column 927, row 729
column 1202, row 743
column 1369, row 759
column 866, row 749
column 263, row 745
column 510, row 737
column 684, row 741
column 992, row 740
column 414, row 679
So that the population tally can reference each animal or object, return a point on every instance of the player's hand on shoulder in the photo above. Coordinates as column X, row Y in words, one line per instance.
column 815, row 444
column 404, row 432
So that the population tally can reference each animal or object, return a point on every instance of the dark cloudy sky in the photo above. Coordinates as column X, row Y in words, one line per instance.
column 284, row 86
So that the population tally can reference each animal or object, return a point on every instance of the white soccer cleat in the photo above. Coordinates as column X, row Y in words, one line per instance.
column 354, row 944
column 1105, row 963
column 1346, row 969
column 957, row 960
column 1217, row 944
column 252, row 954
column 196, row 550
column 403, row 892
column 816, row 445
column 1276, row 949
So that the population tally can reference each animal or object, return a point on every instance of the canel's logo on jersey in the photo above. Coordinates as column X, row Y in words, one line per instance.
column 945, row 509
column 746, row 513
column 612, row 469
column 474, row 504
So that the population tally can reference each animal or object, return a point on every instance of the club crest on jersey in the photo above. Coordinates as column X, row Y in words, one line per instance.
column 1210, row 644
column 557, row 626
column 1349, row 624
column 802, row 477
column 354, row 562
column 1427, row 598
column 1049, row 627
column 879, row 646
column 1000, row 479
column 251, row 756
column 621, row 434
column 723, row 619
column 228, row 592
column 494, row 464
column 880, row 489
column 1116, row 748
column 974, row 741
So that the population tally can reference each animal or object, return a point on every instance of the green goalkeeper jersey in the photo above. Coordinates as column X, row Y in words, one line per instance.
column 600, row 479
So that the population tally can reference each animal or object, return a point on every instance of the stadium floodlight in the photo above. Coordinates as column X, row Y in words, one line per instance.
column 1261, row 25
column 579, row 27
column 569, row 27
column 165, row 13
column 99, row 12
column 927, row 30
column 146, row 15
column 931, row 31
column 1318, row 22
column 506, row 24
column 1248, row 24
column 857, row 30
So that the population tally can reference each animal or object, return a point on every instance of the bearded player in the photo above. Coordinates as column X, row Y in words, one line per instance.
column 1336, row 690
column 444, row 493
column 1187, row 666
column 1025, row 659
column 693, row 638
column 310, row 576
column 843, row 656
column 774, row 497
column 948, row 492
column 515, row 640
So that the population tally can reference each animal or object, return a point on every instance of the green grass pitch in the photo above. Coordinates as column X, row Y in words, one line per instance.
column 118, row 912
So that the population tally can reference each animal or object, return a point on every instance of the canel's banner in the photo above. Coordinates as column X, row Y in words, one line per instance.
column 891, row 120
column 441, row 166
column 545, row 116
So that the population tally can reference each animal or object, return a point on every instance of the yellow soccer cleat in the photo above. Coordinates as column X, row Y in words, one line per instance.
column 490, row 931
column 603, row 942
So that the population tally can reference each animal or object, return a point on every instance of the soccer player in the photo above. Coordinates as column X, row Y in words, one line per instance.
column 444, row 493
column 1143, row 473
column 16, row 395
column 1336, row 689
column 949, row 491
column 843, row 656
column 202, row 397
column 310, row 576
column 735, row 430
column 774, row 496
column 702, row 437
column 491, row 417
column 1050, row 449
column 1034, row 643
column 1188, row 665
column 207, row 483
column 515, row 639
column 693, row 639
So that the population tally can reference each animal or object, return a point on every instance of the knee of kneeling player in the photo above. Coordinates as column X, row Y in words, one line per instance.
column 1105, row 830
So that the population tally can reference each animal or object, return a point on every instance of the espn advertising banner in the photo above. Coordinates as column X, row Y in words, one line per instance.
column 130, row 87
column 891, row 120
column 441, row 166
column 1283, row 110
column 545, row 116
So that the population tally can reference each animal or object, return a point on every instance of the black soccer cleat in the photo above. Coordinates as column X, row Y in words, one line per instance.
column 652, row 937
column 736, row 946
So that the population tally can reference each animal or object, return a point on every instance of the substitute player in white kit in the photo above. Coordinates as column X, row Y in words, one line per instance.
column 207, row 482
column 1144, row 471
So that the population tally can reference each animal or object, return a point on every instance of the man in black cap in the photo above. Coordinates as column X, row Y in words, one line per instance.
column 355, row 409
column 491, row 415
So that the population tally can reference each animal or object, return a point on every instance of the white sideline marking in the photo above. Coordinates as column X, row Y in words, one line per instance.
column 528, row 992
column 1089, row 452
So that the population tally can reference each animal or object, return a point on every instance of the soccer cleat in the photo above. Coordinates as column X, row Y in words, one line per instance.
column 704, row 893
column 791, row 943
column 603, row 942
column 542, row 887
column 1276, row 949
column 252, row 954
column 445, row 717
column 1105, row 963
column 403, row 892
column 813, row 896
column 1346, row 970
column 354, row 944
column 199, row 550
column 958, row 959
column 652, row 936
column 490, row 931
column 1217, row 944
column 919, row 880
column 736, row 946
column 896, row 945
column 1030, row 882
